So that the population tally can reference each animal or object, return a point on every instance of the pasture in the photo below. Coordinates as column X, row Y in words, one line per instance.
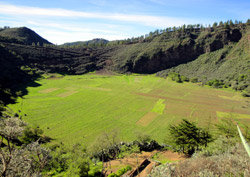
column 78, row 108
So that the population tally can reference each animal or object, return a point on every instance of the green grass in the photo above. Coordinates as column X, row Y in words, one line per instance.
column 74, row 109
column 159, row 106
column 232, row 115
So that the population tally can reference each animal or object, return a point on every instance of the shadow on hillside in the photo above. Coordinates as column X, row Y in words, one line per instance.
column 24, row 87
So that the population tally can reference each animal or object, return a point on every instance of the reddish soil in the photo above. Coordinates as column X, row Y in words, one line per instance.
column 105, row 72
column 147, row 119
column 98, row 88
column 209, row 101
column 54, row 77
column 172, row 156
column 66, row 94
column 48, row 90
column 134, row 160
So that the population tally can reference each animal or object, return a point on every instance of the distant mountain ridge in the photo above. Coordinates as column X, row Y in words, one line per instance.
column 22, row 35
column 93, row 42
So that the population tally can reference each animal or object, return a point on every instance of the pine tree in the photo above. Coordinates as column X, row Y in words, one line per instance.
column 188, row 137
column 215, row 25
column 248, row 22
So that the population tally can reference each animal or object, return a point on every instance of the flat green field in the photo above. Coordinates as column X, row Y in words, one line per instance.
column 74, row 109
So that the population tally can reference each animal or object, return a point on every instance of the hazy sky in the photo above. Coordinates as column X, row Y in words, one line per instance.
column 62, row 21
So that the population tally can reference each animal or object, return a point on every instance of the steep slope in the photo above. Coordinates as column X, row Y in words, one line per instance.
column 14, row 73
column 56, row 59
column 23, row 35
column 231, row 64
column 171, row 49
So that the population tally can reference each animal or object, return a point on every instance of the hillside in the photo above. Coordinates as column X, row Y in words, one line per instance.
column 13, row 76
column 97, row 42
column 230, row 65
column 22, row 35
column 171, row 49
column 220, row 52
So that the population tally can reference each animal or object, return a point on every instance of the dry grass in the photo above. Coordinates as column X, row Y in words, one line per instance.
column 147, row 119
column 98, row 88
column 66, row 94
column 234, row 162
column 49, row 90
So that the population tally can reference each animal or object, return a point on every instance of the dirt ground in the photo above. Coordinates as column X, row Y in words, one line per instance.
column 49, row 90
column 66, row 94
column 134, row 160
column 105, row 72
column 147, row 118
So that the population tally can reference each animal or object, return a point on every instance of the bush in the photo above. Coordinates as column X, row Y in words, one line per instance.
column 175, row 77
column 120, row 172
column 32, row 134
column 245, row 94
column 215, row 83
column 112, row 175
column 234, row 162
column 242, row 86
column 194, row 80
column 242, row 77
column 184, row 79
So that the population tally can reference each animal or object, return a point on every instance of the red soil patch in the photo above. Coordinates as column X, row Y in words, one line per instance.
column 105, row 72
column 172, row 156
column 54, row 77
column 147, row 119
column 173, row 108
column 98, row 88
column 66, row 94
column 134, row 160
column 48, row 90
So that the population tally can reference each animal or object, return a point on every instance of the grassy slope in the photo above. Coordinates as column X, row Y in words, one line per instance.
column 226, row 64
column 103, row 103
column 23, row 35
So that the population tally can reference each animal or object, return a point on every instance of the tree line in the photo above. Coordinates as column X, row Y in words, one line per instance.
column 167, row 31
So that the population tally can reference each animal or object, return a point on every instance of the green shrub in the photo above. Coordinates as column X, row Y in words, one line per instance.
column 194, row 80
column 245, row 94
column 175, row 77
column 112, row 175
column 184, row 79
column 242, row 86
column 120, row 172
column 215, row 83
column 242, row 77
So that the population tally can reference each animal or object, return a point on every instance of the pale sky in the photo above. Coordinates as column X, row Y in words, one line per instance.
column 61, row 21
